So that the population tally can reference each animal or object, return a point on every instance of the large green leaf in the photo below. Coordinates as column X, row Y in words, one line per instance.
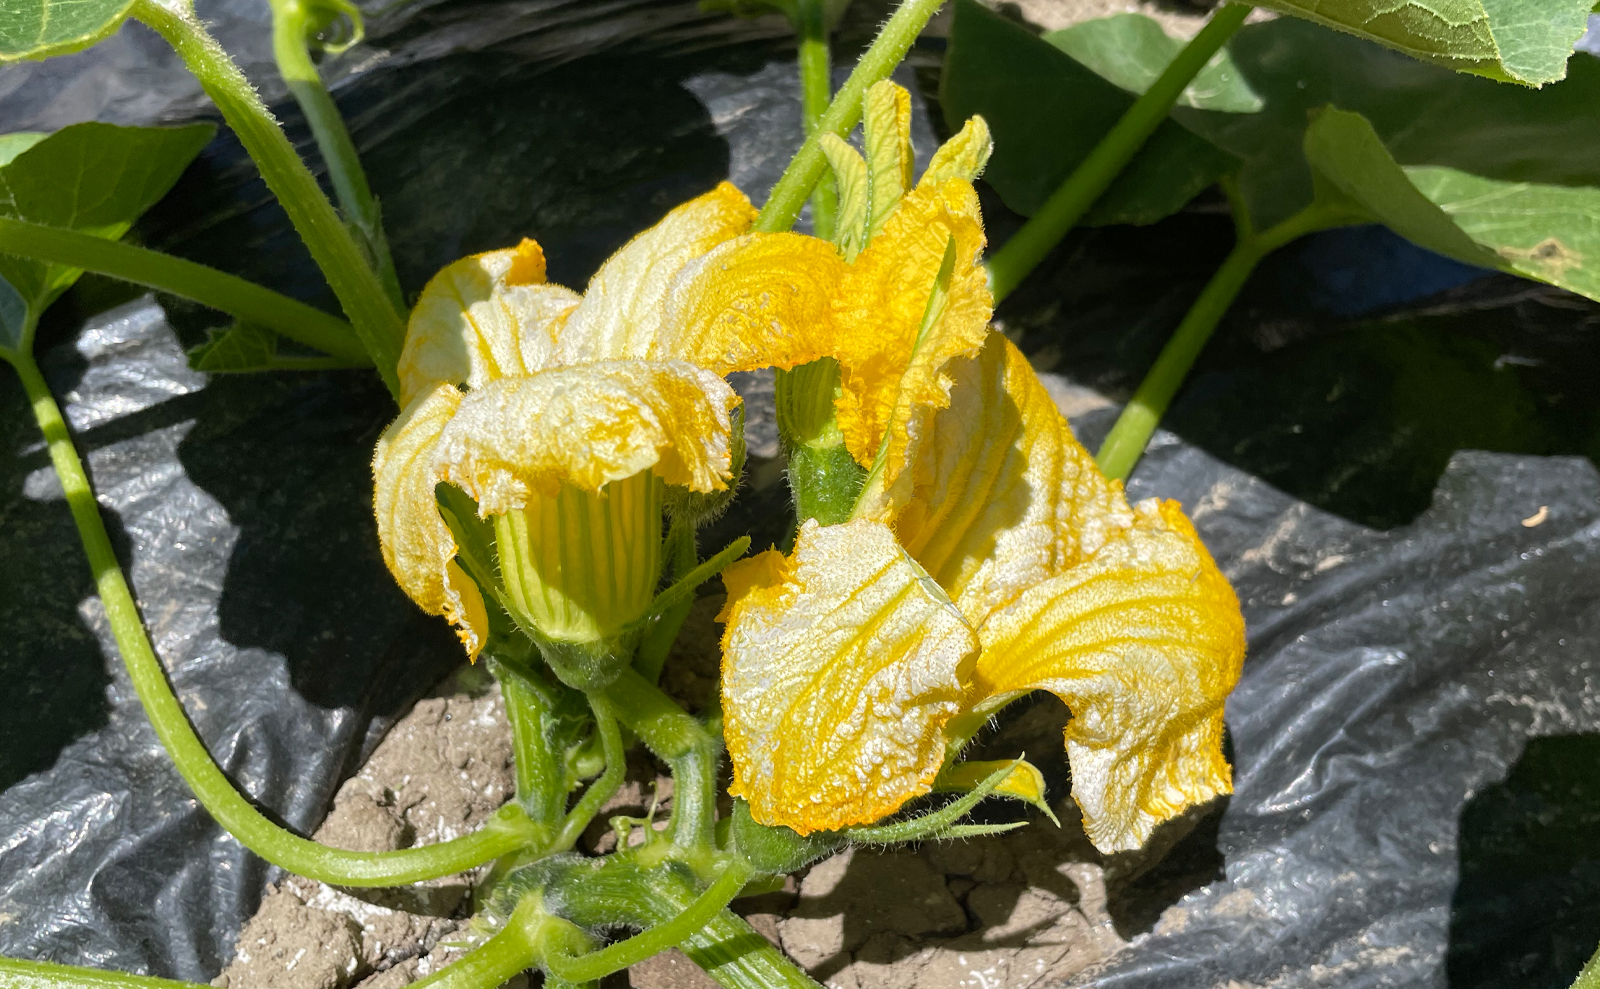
column 1425, row 115
column 96, row 178
column 42, row 28
column 16, row 143
column 1131, row 50
column 1549, row 233
column 1047, row 111
column 1526, row 41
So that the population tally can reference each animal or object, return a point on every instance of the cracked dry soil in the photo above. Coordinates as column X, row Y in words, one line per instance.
column 1034, row 907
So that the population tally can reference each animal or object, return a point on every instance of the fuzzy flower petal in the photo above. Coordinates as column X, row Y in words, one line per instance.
column 887, row 376
column 840, row 666
column 587, row 426
column 1001, row 495
column 1143, row 641
column 417, row 545
column 484, row 317
column 620, row 316
column 761, row 300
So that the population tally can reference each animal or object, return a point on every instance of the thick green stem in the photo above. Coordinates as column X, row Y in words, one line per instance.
column 658, row 938
column 808, row 165
column 376, row 321
column 291, row 27
column 207, row 286
column 1126, row 442
column 679, row 740
column 605, row 725
column 1066, row 206
column 738, row 957
column 541, row 766
column 514, row 949
column 509, row 831
column 18, row 974
column 816, row 88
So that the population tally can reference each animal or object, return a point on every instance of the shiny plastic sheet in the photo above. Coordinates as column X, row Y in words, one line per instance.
column 1411, row 693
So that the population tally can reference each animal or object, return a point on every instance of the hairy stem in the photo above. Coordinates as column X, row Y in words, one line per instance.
column 659, row 938
column 683, row 743
column 816, row 88
column 605, row 725
column 738, row 957
column 376, row 321
column 541, row 767
column 208, row 286
column 509, row 831
column 1066, row 206
column 1126, row 442
column 808, row 165
column 291, row 26
column 514, row 949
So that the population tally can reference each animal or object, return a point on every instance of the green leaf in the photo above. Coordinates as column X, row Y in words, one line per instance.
column 241, row 347
column 1047, row 111
column 95, row 178
column 15, row 325
column 42, row 28
column 1425, row 115
column 1132, row 50
column 16, row 143
column 1526, row 41
column 1549, row 233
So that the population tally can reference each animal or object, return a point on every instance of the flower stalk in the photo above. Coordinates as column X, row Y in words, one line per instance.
column 1061, row 212
column 809, row 164
column 377, row 322
column 509, row 831
column 294, row 23
column 1123, row 446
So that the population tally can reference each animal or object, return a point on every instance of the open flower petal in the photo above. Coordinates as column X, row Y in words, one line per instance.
column 1001, row 495
column 840, row 666
column 761, row 300
column 484, row 317
column 417, row 545
column 1143, row 641
column 883, row 299
column 587, row 426
column 622, row 309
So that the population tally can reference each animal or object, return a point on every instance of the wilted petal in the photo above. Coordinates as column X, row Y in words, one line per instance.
column 883, row 299
column 622, row 309
column 417, row 545
column 758, row 301
column 1143, row 641
column 1001, row 496
column 587, row 426
column 840, row 666
column 484, row 317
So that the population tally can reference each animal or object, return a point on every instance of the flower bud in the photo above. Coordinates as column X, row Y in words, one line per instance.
column 583, row 568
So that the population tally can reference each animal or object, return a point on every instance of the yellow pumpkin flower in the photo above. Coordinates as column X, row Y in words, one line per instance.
column 563, row 417
column 987, row 555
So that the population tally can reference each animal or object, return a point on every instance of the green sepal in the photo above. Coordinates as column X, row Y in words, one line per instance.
column 936, row 824
column 700, row 508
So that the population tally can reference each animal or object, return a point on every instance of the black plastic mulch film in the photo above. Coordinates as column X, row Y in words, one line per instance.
column 1416, row 739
